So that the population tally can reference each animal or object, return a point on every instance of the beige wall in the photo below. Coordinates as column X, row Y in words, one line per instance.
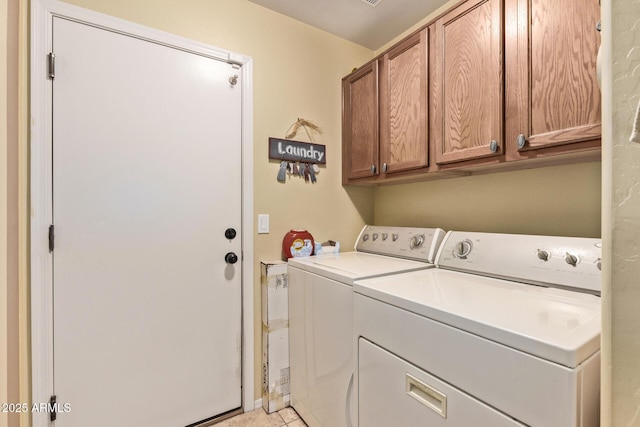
column 9, row 344
column 297, row 73
column 560, row 200
column 621, row 215
column 3, row 210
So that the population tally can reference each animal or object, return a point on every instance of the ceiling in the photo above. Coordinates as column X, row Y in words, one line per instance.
column 357, row 20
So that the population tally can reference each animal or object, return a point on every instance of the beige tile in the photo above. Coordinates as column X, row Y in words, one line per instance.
column 297, row 423
column 288, row 415
column 257, row 418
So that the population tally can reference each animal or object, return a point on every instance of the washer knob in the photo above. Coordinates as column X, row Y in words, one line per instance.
column 599, row 264
column 572, row 260
column 416, row 241
column 462, row 249
column 543, row 255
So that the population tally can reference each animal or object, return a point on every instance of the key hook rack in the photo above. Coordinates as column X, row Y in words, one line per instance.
column 297, row 158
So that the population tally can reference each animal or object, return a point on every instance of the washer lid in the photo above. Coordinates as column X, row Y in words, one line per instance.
column 555, row 324
column 346, row 267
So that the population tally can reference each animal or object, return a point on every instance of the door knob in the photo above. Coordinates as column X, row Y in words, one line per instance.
column 231, row 258
column 230, row 233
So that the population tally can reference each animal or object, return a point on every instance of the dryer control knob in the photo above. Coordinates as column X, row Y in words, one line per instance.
column 365, row 237
column 385, row 236
column 416, row 241
column 462, row 249
column 394, row 236
column 543, row 255
column 572, row 260
column 599, row 263
column 375, row 236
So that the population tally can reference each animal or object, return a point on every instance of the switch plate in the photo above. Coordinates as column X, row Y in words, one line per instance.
column 263, row 223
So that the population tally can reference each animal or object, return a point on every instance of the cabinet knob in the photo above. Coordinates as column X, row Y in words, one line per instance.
column 373, row 169
column 521, row 140
column 493, row 146
column 384, row 167
column 599, row 26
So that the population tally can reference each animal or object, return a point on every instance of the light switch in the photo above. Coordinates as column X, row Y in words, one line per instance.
column 263, row 223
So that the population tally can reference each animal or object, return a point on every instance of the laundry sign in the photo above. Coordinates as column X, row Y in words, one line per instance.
column 296, row 151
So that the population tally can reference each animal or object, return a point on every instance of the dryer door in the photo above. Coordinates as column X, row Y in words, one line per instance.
column 394, row 392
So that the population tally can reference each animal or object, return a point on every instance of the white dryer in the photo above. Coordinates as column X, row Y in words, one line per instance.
column 321, row 315
column 506, row 332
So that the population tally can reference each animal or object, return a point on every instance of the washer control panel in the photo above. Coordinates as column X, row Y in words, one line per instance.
column 572, row 262
column 404, row 242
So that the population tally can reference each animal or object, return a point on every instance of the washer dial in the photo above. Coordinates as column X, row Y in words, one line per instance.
column 571, row 259
column 416, row 241
column 462, row 249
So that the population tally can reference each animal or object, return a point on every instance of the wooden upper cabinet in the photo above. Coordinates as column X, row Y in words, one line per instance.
column 403, row 105
column 553, row 98
column 467, row 90
column 488, row 82
column 360, row 143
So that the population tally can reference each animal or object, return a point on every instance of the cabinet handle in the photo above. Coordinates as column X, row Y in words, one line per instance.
column 384, row 167
column 521, row 141
column 427, row 395
column 373, row 169
column 493, row 146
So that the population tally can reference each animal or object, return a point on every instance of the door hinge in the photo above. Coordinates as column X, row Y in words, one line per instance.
column 52, row 408
column 52, row 66
column 52, row 237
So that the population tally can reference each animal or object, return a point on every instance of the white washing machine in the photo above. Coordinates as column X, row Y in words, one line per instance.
column 506, row 332
column 321, row 315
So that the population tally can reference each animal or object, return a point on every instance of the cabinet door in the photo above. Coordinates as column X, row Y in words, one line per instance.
column 468, row 82
column 553, row 97
column 360, row 156
column 403, row 105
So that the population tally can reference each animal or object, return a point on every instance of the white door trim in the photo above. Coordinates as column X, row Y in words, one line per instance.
column 42, row 13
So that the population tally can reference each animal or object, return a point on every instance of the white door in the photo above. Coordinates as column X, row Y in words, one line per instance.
column 146, row 180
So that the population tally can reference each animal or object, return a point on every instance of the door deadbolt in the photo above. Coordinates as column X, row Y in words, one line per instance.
column 230, row 233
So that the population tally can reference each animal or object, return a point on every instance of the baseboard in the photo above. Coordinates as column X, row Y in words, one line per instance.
column 258, row 404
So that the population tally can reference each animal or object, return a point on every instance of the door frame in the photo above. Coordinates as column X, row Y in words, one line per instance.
column 42, row 13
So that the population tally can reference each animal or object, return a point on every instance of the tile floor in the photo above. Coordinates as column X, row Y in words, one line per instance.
column 259, row 418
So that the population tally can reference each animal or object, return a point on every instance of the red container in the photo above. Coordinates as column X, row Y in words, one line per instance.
column 297, row 243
